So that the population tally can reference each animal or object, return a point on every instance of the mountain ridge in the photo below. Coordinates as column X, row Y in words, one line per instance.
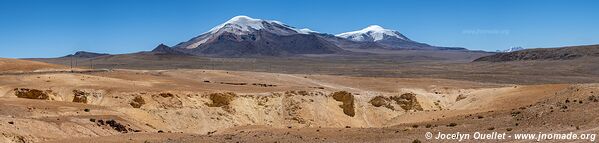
column 560, row 53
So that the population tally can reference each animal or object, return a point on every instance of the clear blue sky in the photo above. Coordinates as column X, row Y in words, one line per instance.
column 55, row 28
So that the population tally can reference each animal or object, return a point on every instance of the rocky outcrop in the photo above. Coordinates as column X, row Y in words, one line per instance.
column 167, row 100
column 137, row 102
column 407, row 101
column 80, row 96
column 348, row 102
column 222, row 100
column 32, row 93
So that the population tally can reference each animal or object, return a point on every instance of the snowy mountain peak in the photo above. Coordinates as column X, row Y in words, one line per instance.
column 374, row 28
column 240, row 24
column 243, row 25
column 372, row 33
column 512, row 49
column 306, row 31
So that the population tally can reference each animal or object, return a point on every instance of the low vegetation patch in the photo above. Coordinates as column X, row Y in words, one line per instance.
column 234, row 83
column 348, row 102
column 264, row 85
column 452, row 124
column 114, row 125
column 594, row 98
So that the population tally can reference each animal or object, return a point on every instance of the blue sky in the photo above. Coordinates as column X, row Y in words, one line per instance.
column 43, row 28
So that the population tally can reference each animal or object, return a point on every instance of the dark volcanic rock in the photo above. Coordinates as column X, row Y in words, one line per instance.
column 243, row 36
column 262, row 43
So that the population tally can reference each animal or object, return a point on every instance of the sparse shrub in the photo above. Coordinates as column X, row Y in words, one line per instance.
column 452, row 124
column 508, row 129
column 428, row 126
column 491, row 128
column 515, row 113
column 480, row 116
column 118, row 126
column 593, row 98
column 416, row 141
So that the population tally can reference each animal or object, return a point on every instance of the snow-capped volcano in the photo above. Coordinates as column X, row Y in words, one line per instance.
column 246, row 36
column 244, row 25
column 372, row 33
column 379, row 37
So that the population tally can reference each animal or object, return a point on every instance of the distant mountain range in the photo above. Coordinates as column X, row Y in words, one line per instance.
column 246, row 36
column 243, row 36
column 563, row 53
column 84, row 54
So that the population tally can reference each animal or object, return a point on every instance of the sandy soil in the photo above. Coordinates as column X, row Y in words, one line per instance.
column 236, row 106
column 12, row 65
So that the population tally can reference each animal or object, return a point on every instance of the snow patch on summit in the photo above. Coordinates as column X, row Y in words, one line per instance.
column 371, row 33
column 242, row 25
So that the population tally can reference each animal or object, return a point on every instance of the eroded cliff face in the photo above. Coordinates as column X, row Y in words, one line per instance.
column 96, row 112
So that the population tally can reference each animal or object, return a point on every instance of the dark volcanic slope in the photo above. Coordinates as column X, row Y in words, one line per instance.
column 84, row 54
column 262, row 43
column 563, row 53
column 166, row 50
